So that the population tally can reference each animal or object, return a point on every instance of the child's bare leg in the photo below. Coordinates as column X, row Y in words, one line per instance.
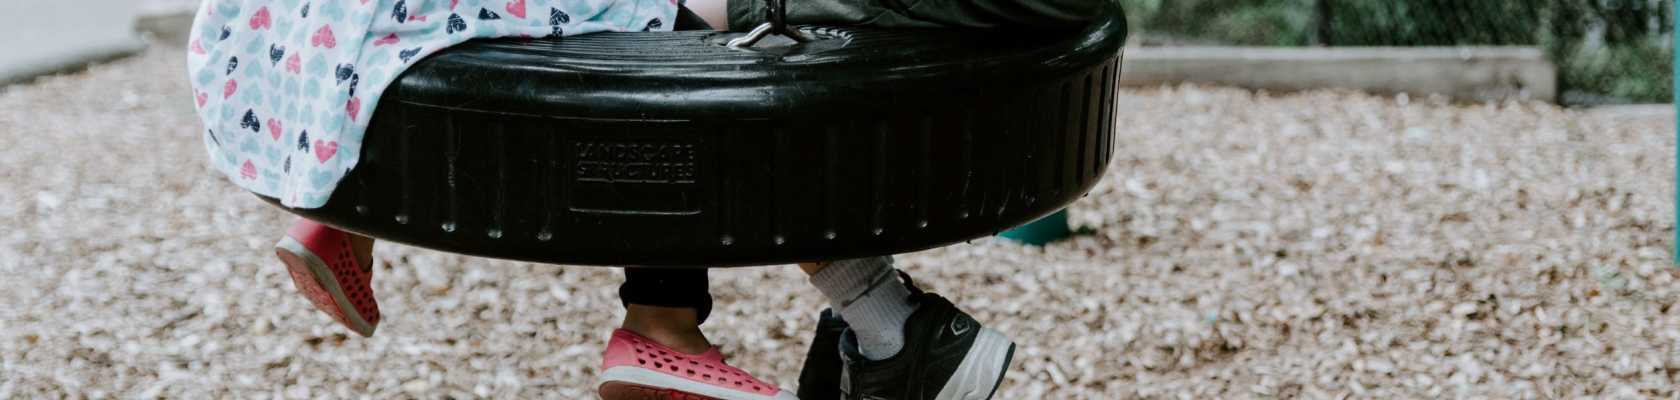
column 811, row 268
column 667, row 305
column 678, row 328
column 362, row 248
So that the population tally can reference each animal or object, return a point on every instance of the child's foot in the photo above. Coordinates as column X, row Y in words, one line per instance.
column 635, row 367
column 946, row 355
column 325, row 270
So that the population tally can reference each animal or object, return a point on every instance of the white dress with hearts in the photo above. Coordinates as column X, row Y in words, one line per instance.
column 286, row 88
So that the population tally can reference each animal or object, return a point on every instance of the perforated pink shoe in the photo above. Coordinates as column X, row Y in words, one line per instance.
column 635, row 367
column 324, row 269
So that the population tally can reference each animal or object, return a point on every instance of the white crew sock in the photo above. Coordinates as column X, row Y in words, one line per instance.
column 867, row 294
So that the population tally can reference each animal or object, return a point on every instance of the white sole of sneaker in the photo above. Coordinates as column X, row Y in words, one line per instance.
column 653, row 379
column 318, row 271
column 981, row 371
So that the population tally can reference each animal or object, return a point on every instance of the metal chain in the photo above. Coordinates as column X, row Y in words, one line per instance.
column 775, row 15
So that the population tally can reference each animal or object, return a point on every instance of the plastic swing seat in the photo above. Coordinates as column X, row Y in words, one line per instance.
column 674, row 149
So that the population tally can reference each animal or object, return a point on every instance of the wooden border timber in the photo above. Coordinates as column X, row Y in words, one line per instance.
column 1464, row 73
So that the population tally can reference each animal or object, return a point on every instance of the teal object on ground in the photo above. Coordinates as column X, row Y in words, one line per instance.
column 1051, row 228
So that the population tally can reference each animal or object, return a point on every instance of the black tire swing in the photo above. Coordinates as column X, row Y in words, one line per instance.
column 677, row 149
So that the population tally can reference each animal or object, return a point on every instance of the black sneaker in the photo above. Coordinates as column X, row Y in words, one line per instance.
column 820, row 378
column 947, row 355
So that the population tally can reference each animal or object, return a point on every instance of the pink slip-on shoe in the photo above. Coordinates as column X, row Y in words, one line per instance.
column 324, row 269
column 635, row 367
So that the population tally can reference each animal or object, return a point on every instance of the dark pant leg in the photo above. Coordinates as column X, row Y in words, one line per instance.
column 667, row 287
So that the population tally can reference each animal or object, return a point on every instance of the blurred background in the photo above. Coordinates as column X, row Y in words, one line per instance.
column 1604, row 51
column 1607, row 51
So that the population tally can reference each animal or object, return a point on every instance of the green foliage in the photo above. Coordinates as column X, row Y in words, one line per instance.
column 1247, row 22
column 1614, row 50
column 1641, row 72
column 1432, row 22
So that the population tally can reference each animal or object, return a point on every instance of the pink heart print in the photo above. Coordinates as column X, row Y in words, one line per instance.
column 260, row 20
column 324, row 38
column 274, row 128
column 230, row 88
column 294, row 64
column 517, row 8
column 325, row 150
column 388, row 39
column 202, row 99
column 353, row 107
column 248, row 171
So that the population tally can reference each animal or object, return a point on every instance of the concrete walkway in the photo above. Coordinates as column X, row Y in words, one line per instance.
column 49, row 36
